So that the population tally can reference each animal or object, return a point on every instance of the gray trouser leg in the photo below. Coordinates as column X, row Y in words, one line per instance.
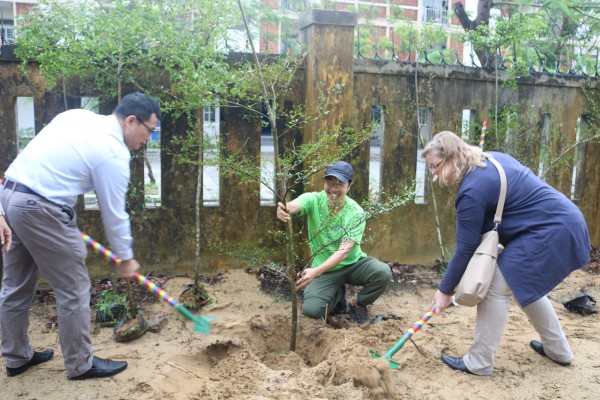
column 18, row 291
column 546, row 323
column 49, row 239
column 492, row 314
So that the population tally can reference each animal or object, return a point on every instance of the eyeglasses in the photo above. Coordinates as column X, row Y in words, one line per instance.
column 435, row 167
column 336, row 185
column 143, row 123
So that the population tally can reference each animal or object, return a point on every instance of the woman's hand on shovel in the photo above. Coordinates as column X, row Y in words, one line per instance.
column 441, row 301
column 127, row 268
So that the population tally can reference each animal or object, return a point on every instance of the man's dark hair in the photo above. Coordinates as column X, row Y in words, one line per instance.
column 138, row 104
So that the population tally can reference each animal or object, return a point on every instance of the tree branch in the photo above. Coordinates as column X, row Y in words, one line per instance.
column 463, row 18
column 580, row 11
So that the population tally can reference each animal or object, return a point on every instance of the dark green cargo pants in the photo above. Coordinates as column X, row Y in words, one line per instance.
column 322, row 293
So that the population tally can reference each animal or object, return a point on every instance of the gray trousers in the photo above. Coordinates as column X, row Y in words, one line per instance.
column 322, row 293
column 46, row 241
column 492, row 314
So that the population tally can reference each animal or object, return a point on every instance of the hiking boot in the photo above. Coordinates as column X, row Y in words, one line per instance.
column 360, row 314
column 342, row 305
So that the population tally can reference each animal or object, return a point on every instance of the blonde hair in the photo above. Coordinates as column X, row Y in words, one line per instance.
column 452, row 149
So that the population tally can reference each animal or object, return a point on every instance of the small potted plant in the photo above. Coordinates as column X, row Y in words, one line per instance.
column 111, row 308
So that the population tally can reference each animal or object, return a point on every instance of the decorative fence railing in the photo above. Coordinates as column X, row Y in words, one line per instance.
column 530, row 58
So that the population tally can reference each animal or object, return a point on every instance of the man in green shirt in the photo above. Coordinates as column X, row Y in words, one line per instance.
column 336, row 224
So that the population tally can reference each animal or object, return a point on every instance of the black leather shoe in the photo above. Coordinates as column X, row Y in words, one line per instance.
column 38, row 358
column 456, row 363
column 101, row 368
column 538, row 347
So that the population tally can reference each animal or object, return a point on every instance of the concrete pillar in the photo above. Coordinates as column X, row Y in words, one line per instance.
column 329, row 65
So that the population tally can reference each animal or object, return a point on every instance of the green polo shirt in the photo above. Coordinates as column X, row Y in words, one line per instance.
column 326, row 232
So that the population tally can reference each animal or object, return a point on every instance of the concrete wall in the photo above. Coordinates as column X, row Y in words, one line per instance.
column 411, row 236
column 164, row 237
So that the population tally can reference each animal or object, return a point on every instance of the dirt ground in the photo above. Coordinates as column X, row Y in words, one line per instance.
column 246, row 354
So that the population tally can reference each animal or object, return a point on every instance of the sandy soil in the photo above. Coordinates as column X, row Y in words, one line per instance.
column 245, row 356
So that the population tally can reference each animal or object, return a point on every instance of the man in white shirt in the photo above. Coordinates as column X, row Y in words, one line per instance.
column 76, row 152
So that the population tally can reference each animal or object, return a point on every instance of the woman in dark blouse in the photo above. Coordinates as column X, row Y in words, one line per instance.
column 544, row 235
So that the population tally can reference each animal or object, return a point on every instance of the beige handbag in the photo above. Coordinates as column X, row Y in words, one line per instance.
column 477, row 278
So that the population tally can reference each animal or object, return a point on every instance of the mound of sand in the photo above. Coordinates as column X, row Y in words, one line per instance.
column 246, row 355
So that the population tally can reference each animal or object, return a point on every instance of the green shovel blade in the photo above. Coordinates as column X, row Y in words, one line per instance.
column 201, row 323
column 392, row 364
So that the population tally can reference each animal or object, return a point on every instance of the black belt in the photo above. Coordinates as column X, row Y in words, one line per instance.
column 18, row 187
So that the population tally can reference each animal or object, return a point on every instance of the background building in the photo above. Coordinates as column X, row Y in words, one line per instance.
column 8, row 12
column 378, row 24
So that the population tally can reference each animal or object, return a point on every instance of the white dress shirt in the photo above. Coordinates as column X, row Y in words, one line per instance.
column 80, row 151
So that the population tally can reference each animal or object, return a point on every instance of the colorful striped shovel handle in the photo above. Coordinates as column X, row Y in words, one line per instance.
column 201, row 323
column 416, row 326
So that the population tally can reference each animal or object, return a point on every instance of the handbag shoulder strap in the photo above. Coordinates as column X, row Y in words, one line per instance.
column 500, row 207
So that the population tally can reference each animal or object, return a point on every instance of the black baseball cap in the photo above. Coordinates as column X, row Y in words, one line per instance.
column 341, row 170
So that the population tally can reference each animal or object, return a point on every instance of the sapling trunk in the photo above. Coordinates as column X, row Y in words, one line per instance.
column 281, row 182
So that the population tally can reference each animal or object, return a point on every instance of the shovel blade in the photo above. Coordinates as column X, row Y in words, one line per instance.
column 392, row 364
column 202, row 324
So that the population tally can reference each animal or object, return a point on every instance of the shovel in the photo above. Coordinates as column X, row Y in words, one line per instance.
column 400, row 343
column 201, row 323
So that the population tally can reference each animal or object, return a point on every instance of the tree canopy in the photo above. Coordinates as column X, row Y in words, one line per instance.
column 132, row 43
column 563, row 34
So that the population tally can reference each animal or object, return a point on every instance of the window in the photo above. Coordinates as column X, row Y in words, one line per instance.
column 8, row 36
column 210, row 171
column 25, row 116
column 579, row 158
column 421, row 180
column 152, row 165
column 210, row 182
column 435, row 11
column 287, row 5
column 511, row 121
column 152, row 170
column 375, row 166
column 546, row 124
column 267, row 171
column 90, row 103
column 210, row 114
column 468, row 125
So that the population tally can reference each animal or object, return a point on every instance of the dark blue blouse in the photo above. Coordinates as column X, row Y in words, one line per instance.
column 544, row 234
